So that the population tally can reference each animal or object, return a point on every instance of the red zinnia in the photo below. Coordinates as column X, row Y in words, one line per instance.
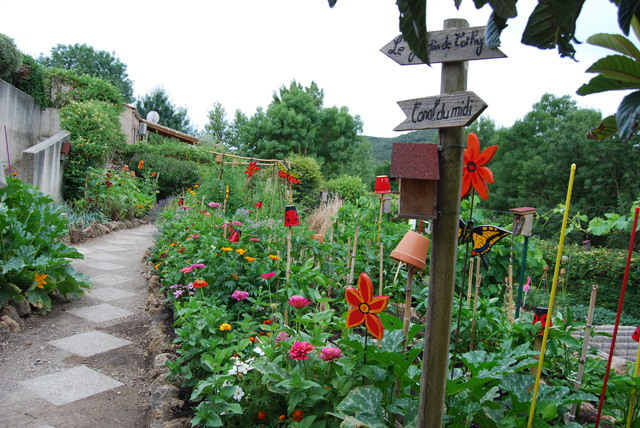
column 262, row 415
column 365, row 307
column 298, row 415
column 474, row 172
column 200, row 283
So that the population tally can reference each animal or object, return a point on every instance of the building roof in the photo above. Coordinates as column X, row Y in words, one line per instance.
column 415, row 160
column 171, row 133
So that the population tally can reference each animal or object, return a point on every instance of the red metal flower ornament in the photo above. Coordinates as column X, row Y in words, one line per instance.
column 365, row 307
column 474, row 173
column 252, row 168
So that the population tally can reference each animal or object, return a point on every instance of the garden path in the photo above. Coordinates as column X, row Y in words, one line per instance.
column 84, row 363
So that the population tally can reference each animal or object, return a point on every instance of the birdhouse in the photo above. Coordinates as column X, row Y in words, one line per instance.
column 218, row 158
column 324, row 195
column 386, row 207
column 416, row 168
column 522, row 221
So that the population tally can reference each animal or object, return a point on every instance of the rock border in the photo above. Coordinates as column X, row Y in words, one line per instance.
column 81, row 235
column 164, row 394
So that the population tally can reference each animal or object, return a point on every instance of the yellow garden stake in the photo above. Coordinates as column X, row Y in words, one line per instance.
column 633, row 394
column 553, row 295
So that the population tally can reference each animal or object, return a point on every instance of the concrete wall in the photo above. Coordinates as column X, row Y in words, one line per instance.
column 27, row 124
column 130, row 124
column 42, row 165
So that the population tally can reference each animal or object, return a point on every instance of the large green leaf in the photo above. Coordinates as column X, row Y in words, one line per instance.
column 626, row 11
column 603, row 84
column 627, row 115
column 504, row 8
column 553, row 23
column 495, row 25
column 615, row 42
column 332, row 3
column 364, row 403
column 14, row 263
column 413, row 25
column 606, row 129
column 617, row 67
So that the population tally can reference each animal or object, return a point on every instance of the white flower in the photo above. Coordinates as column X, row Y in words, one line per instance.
column 238, row 394
column 258, row 351
column 233, row 371
column 242, row 368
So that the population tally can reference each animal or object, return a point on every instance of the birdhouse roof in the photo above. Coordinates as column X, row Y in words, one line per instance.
column 523, row 210
column 415, row 160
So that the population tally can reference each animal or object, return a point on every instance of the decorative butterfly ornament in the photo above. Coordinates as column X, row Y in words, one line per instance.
column 482, row 237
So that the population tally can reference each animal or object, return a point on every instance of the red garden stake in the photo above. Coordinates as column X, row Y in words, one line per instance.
column 258, row 207
column 615, row 328
column 290, row 219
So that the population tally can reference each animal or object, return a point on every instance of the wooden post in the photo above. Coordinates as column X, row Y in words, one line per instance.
column 277, row 267
column 286, row 308
column 444, row 248
column 585, row 349
column 406, row 321
column 537, row 347
column 353, row 255
column 470, row 278
column 510, row 307
column 475, row 306
column 381, row 268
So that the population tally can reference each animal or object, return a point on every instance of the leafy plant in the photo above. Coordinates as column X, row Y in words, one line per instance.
column 10, row 57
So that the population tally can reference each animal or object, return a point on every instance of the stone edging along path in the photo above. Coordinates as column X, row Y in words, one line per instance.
column 81, row 235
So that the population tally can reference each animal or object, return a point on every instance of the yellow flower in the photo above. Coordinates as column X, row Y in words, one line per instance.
column 225, row 326
column 250, row 259
column 226, row 249
column 241, row 251
column 41, row 279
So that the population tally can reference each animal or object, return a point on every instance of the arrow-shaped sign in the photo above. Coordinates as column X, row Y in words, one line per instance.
column 441, row 111
column 456, row 44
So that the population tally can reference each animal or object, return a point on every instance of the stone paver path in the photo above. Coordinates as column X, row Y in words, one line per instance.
column 83, row 365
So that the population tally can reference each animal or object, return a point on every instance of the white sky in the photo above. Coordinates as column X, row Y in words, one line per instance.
column 239, row 52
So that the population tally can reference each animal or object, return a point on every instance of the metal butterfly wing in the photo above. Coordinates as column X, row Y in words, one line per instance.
column 482, row 237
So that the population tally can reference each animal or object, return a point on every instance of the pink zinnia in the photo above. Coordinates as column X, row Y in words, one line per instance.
column 237, row 223
column 283, row 335
column 298, row 302
column 240, row 295
column 198, row 266
column 206, row 214
column 330, row 354
column 194, row 235
column 254, row 239
column 214, row 205
column 268, row 275
column 299, row 350
column 184, row 207
column 526, row 287
column 187, row 269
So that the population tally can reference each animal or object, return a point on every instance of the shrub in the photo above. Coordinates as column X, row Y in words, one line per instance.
column 347, row 187
column 95, row 135
column 67, row 87
column 10, row 57
column 30, row 79
column 307, row 192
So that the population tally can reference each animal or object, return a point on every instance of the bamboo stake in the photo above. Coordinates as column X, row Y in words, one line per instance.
column 532, row 410
column 277, row 267
column 380, row 219
column 286, row 309
column 381, row 268
column 470, row 278
column 242, row 157
column 202, row 204
column 397, row 272
column 475, row 306
column 348, row 258
column 275, row 190
column 585, row 348
column 406, row 321
column 353, row 255
column 510, row 307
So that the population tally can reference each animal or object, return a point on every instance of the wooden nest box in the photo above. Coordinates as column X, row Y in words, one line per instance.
column 522, row 220
column 416, row 168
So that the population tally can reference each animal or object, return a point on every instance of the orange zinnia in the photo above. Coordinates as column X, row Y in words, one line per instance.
column 298, row 415
column 262, row 415
column 474, row 173
column 282, row 417
column 200, row 283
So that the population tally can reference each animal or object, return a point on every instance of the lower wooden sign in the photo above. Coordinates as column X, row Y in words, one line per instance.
column 441, row 111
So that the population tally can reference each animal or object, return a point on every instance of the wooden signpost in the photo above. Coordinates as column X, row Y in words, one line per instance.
column 441, row 111
column 453, row 46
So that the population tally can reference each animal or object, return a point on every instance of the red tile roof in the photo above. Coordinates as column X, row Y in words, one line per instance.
column 415, row 160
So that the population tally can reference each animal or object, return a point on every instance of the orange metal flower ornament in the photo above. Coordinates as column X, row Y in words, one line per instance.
column 474, row 173
column 365, row 307
column 252, row 168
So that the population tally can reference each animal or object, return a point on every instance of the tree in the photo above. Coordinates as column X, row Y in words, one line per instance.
column 218, row 125
column 171, row 116
column 297, row 121
column 85, row 60
column 10, row 57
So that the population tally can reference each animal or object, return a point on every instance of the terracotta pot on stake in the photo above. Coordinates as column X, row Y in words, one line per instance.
column 412, row 250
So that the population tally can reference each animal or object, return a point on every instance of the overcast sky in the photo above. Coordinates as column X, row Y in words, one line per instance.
column 239, row 52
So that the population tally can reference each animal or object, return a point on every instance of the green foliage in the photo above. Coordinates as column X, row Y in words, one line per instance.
column 10, row 57
column 347, row 187
column 170, row 147
column 66, row 87
column 381, row 147
column 307, row 193
column 80, row 217
column 29, row 226
column 158, row 100
column 297, row 121
column 95, row 135
column 218, row 125
column 85, row 60
column 30, row 79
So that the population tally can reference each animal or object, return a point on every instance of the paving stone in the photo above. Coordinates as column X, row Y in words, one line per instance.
column 46, row 426
column 106, row 266
column 109, row 248
column 105, row 257
column 121, row 242
column 90, row 343
column 84, row 251
column 109, row 294
column 110, row 279
column 101, row 313
column 67, row 386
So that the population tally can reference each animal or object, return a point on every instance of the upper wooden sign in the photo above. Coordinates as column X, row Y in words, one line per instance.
column 455, row 44
column 441, row 111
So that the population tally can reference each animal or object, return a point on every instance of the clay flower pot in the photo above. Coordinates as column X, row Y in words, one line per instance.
column 413, row 250
column 319, row 237
column 382, row 184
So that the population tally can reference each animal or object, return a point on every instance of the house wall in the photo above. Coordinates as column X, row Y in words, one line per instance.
column 130, row 124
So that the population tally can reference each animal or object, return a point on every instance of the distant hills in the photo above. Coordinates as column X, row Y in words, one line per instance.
column 381, row 147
